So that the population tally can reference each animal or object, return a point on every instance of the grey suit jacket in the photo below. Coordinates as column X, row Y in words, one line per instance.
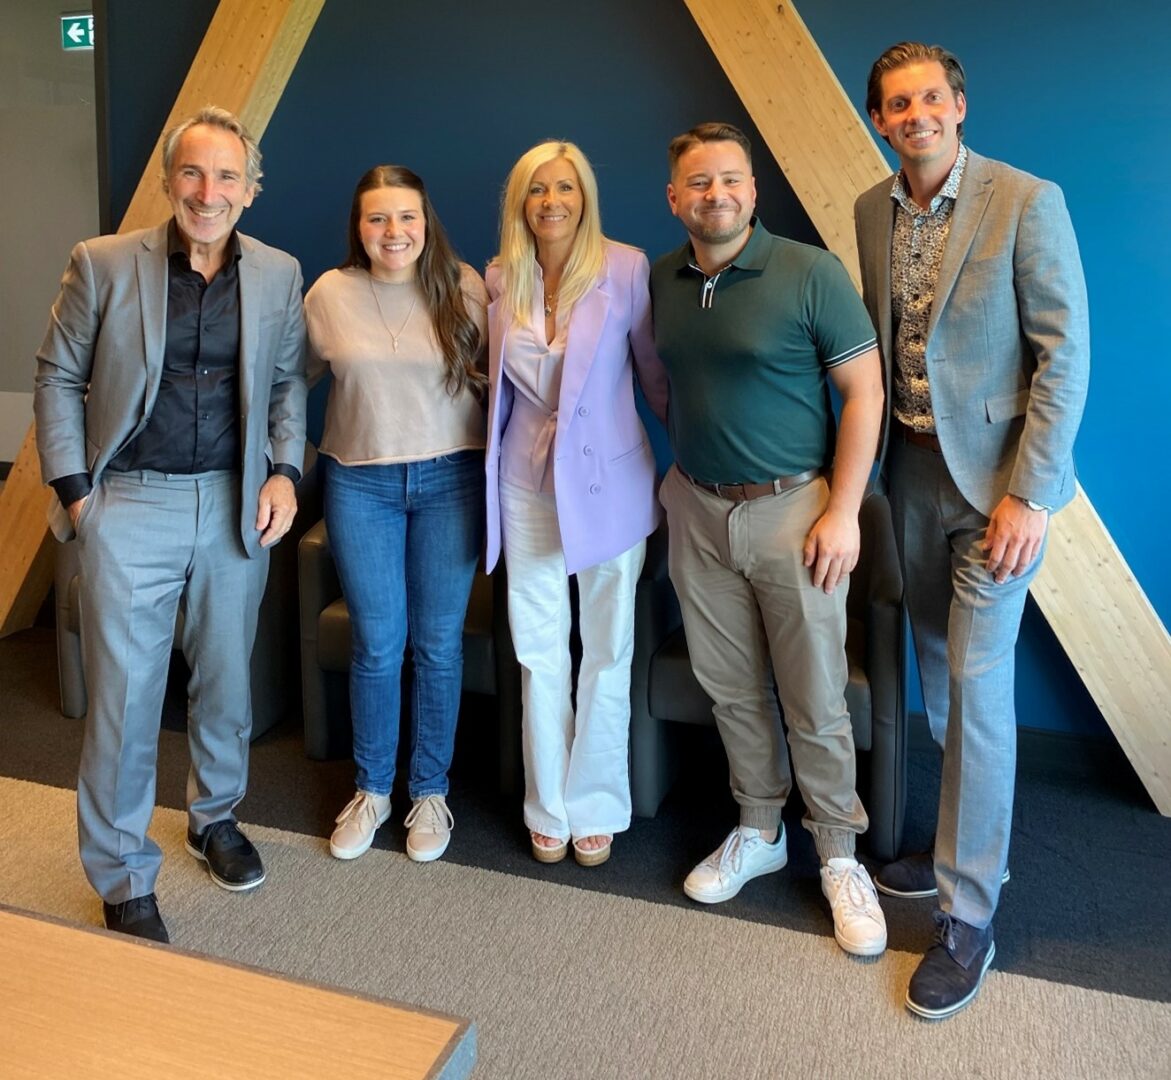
column 1008, row 348
column 99, row 367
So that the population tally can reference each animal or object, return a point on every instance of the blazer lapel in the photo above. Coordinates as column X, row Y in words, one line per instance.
column 151, row 270
column 882, row 224
column 499, row 323
column 585, row 330
column 971, row 203
column 499, row 391
column 250, row 291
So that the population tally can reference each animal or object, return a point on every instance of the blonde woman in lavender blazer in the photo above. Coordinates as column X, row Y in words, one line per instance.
column 570, row 487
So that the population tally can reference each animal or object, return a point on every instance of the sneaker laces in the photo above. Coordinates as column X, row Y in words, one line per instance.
column 854, row 888
column 361, row 805
column 731, row 855
column 432, row 815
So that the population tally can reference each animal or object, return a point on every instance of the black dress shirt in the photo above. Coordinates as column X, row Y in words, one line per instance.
column 193, row 426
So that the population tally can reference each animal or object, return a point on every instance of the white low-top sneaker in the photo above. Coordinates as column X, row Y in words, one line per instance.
column 743, row 856
column 357, row 824
column 859, row 925
column 429, row 826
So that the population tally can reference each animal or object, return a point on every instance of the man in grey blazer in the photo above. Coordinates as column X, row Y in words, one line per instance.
column 971, row 273
column 170, row 410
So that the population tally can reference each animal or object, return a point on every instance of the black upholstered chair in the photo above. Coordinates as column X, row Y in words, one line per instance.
column 489, row 663
column 665, row 691
column 275, row 657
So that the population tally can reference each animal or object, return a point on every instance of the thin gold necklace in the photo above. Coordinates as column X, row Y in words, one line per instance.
column 551, row 294
column 382, row 315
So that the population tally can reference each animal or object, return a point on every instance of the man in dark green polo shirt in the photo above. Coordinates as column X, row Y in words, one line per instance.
column 750, row 327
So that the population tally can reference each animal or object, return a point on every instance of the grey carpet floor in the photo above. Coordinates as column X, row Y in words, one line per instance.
column 612, row 972
column 1091, row 858
column 565, row 982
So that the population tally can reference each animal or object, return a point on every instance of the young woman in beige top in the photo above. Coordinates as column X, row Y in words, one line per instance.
column 401, row 327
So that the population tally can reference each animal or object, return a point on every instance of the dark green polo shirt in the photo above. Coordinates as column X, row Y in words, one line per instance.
column 747, row 351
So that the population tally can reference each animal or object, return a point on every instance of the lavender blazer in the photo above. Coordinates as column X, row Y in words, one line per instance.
column 603, row 467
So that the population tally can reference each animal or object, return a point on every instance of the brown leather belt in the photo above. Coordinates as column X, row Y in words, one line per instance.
column 918, row 438
column 746, row 492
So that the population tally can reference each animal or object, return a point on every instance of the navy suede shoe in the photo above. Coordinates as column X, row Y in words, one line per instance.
column 910, row 877
column 232, row 861
column 913, row 877
column 949, row 975
column 138, row 917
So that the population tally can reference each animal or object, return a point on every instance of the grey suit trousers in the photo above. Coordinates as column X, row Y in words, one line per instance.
column 149, row 542
column 965, row 628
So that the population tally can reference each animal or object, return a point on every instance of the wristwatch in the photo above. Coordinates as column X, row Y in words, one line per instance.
column 1033, row 505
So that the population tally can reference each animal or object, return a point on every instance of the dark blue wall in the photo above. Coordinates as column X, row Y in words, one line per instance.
column 144, row 51
column 457, row 91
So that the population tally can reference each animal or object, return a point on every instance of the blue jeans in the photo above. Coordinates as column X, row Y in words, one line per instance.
column 406, row 539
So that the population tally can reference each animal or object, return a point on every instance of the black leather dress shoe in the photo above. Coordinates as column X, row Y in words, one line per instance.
column 913, row 876
column 949, row 975
column 138, row 917
column 232, row 861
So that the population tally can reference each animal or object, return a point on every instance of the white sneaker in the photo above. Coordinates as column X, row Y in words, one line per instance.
column 429, row 827
column 743, row 856
column 859, row 925
column 357, row 823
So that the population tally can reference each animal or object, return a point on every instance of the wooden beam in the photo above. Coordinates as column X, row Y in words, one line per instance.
column 799, row 108
column 243, row 64
column 26, row 548
column 1114, row 638
column 1097, row 609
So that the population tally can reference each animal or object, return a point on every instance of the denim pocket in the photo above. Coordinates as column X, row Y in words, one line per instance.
column 459, row 457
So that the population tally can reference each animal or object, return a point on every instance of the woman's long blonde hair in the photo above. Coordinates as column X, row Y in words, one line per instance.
column 518, row 249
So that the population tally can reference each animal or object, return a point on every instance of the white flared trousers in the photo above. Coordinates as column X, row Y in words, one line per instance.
column 577, row 776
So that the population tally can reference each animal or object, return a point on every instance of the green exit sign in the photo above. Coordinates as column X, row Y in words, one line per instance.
column 77, row 32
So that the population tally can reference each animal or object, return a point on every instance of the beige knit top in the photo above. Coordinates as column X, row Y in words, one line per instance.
column 387, row 405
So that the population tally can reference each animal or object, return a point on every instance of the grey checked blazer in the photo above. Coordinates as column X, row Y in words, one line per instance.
column 1008, row 348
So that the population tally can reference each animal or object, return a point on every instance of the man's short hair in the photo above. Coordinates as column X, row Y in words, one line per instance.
column 713, row 131
column 214, row 116
column 913, row 52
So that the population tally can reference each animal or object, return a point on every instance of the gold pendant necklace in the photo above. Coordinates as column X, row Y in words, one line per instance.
column 382, row 315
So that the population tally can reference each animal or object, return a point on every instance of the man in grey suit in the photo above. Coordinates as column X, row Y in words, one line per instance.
column 972, row 276
column 170, row 410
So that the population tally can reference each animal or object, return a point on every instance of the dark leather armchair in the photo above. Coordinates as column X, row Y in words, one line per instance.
column 664, row 689
column 489, row 663
column 275, row 655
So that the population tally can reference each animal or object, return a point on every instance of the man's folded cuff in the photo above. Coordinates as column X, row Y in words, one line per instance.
column 73, row 487
column 291, row 471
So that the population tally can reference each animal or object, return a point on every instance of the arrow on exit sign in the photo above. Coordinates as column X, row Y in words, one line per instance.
column 77, row 32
